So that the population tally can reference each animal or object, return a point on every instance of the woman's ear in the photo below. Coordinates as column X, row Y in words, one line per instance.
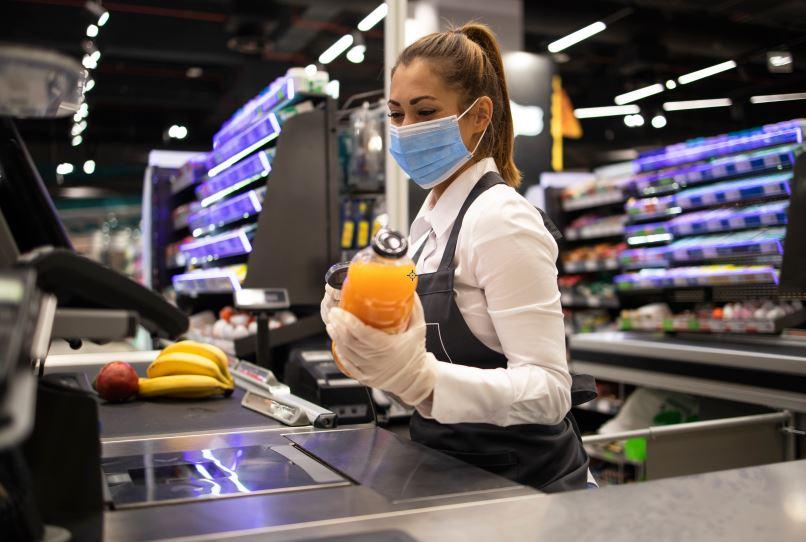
column 483, row 114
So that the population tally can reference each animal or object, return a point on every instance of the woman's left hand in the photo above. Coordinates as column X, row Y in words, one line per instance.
column 397, row 363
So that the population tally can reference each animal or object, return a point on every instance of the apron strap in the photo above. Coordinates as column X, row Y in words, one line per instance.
column 488, row 180
column 416, row 257
column 550, row 225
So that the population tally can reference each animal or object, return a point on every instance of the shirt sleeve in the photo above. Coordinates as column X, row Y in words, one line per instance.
column 512, row 256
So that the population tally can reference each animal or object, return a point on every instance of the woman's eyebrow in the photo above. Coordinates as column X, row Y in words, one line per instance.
column 413, row 101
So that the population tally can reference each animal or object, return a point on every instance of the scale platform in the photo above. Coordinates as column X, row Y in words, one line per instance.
column 141, row 480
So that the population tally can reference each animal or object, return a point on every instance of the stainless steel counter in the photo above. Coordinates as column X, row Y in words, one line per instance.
column 759, row 503
column 768, row 371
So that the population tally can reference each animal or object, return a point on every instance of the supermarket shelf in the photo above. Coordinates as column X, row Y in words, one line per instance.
column 207, row 281
column 578, row 301
column 593, row 232
column 743, row 190
column 681, row 277
column 719, row 220
column 253, row 138
column 234, row 243
column 590, row 266
column 784, row 133
column 596, row 200
column 718, row 246
column 228, row 211
column 234, row 178
column 692, row 324
column 649, row 184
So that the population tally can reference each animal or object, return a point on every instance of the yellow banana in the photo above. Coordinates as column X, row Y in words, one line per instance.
column 182, row 363
column 183, row 386
column 213, row 353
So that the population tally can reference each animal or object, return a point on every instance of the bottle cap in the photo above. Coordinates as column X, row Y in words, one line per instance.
column 337, row 274
column 390, row 244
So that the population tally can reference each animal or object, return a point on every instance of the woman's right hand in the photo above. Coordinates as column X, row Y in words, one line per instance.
column 331, row 300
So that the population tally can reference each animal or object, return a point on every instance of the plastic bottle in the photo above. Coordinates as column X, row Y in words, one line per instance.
column 381, row 282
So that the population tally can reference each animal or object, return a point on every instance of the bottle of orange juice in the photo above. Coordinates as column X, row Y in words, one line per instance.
column 380, row 284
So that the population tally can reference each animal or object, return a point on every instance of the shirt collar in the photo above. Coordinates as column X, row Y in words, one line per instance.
column 441, row 215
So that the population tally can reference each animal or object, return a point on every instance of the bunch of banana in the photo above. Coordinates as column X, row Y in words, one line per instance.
column 188, row 370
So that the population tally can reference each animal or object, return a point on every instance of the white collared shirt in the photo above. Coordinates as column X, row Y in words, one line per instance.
column 506, row 289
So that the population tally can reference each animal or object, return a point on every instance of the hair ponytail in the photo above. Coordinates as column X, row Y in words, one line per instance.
column 470, row 61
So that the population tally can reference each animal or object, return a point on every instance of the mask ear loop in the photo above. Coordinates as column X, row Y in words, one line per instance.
column 482, row 133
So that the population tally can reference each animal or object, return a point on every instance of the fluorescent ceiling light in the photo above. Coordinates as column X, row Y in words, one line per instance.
column 92, row 31
column 634, row 121
column 638, row 94
column 576, row 37
column 697, row 104
column 89, row 85
column 607, row 111
column 78, row 128
column 658, row 121
column 88, row 62
column 65, row 168
column 356, row 54
column 310, row 70
column 373, row 18
column 770, row 98
column 671, row 85
column 89, row 167
column 706, row 72
column 336, row 49
column 76, row 141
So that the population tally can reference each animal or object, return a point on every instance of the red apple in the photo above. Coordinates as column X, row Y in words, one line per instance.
column 117, row 382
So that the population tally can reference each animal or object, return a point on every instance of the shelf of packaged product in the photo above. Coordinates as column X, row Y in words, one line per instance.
column 569, row 301
column 694, row 324
column 597, row 200
column 681, row 277
column 594, row 232
column 590, row 266
column 771, row 135
column 226, row 212
column 225, row 245
column 709, row 221
column 210, row 281
column 742, row 191
column 251, row 137
column 671, row 180
column 235, row 178
column 744, row 245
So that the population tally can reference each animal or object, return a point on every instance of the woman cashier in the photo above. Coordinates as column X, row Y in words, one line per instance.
column 483, row 359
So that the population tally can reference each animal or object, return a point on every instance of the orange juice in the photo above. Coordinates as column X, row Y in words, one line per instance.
column 380, row 294
column 380, row 284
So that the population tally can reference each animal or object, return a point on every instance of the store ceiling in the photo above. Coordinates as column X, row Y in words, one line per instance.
column 144, row 80
column 150, row 51
column 656, row 40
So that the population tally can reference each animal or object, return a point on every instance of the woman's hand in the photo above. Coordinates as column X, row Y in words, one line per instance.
column 397, row 363
column 331, row 300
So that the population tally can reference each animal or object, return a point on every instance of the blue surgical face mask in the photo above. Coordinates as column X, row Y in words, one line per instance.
column 431, row 151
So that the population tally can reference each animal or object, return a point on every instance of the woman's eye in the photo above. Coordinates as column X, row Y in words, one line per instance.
column 426, row 112
column 395, row 115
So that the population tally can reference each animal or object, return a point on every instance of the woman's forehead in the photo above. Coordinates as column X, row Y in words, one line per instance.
column 418, row 79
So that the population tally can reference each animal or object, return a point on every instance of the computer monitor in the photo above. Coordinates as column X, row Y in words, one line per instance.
column 28, row 213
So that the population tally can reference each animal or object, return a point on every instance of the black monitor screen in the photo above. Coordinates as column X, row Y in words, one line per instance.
column 24, row 200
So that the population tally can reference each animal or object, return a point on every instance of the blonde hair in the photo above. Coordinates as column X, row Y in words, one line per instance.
column 470, row 61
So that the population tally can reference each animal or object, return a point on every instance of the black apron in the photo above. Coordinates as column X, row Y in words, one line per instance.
column 548, row 457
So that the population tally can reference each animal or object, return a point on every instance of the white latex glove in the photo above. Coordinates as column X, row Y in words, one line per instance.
column 331, row 300
column 397, row 363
